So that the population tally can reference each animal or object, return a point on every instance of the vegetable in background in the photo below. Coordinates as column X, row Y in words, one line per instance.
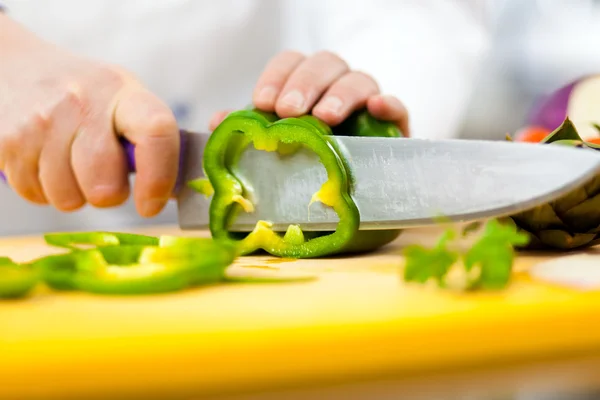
column 572, row 221
column 576, row 100
column 269, row 133
column 487, row 264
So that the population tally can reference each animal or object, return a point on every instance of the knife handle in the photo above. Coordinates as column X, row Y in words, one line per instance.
column 129, row 150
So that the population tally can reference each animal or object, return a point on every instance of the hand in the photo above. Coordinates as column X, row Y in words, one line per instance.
column 60, row 115
column 293, row 84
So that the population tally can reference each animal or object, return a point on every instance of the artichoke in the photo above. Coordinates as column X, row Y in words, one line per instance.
column 572, row 221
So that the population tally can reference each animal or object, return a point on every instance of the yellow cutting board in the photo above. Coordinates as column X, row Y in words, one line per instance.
column 357, row 319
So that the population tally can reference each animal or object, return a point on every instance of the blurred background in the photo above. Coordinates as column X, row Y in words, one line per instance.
column 464, row 68
column 535, row 47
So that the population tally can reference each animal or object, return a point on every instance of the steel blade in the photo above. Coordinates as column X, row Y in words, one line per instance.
column 399, row 183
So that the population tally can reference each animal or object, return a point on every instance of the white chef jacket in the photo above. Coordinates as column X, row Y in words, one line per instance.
column 202, row 56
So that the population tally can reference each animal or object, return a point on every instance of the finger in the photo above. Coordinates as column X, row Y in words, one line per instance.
column 346, row 95
column 58, row 178
column 273, row 78
column 55, row 168
column 389, row 108
column 22, row 177
column 19, row 155
column 217, row 118
column 150, row 125
column 56, row 173
column 308, row 82
column 99, row 163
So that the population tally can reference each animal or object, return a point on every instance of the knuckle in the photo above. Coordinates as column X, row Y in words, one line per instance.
column 161, row 125
column 293, row 53
column 331, row 57
column 365, row 78
column 307, row 79
column 361, row 75
column 10, row 143
column 113, row 75
column 276, row 78
column 68, row 102
column 73, row 96
column 288, row 55
column 351, row 94
column 20, row 145
column 39, row 122
column 105, row 77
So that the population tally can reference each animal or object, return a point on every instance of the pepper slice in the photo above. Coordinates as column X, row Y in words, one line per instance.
column 139, row 269
column 78, row 240
column 58, row 271
column 266, row 132
column 16, row 280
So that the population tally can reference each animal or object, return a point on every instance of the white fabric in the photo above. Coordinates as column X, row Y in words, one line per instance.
column 202, row 56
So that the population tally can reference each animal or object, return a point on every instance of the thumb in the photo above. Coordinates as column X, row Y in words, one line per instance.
column 149, row 124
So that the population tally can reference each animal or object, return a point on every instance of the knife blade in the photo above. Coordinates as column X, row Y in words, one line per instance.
column 398, row 183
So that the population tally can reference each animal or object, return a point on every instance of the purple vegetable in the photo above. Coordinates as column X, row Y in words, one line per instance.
column 551, row 111
column 579, row 100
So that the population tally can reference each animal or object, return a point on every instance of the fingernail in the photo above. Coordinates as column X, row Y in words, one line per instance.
column 153, row 206
column 294, row 99
column 267, row 94
column 331, row 104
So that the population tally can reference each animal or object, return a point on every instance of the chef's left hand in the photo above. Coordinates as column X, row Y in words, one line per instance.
column 323, row 85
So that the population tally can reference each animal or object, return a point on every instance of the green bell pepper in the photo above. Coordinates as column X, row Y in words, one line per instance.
column 269, row 133
column 16, row 280
column 361, row 123
column 165, row 265
column 75, row 240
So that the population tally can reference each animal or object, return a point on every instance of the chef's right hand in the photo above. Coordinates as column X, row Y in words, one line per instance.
column 60, row 117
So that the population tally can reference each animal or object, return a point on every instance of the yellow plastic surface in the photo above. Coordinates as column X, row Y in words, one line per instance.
column 358, row 319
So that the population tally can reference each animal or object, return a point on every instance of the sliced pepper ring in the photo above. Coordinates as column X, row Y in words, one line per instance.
column 78, row 240
column 270, row 135
column 171, row 265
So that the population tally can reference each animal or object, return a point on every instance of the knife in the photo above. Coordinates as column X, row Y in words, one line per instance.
column 398, row 182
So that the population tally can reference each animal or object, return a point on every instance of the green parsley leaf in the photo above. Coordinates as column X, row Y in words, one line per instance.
column 423, row 264
column 493, row 255
column 487, row 264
